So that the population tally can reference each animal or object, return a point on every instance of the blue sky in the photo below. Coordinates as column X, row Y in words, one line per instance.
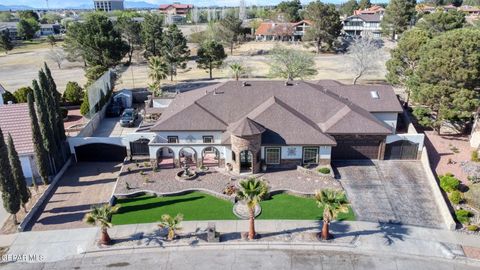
column 64, row 3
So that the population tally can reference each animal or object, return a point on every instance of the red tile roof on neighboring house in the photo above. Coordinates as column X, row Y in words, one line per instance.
column 279, row 29
column 179, row 6
column 372, row 10
column 15, row 119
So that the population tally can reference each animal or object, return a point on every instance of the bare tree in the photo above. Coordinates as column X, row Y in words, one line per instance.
column 195, row 15
column 57, row 55
column 242, row 13
column 364, row 54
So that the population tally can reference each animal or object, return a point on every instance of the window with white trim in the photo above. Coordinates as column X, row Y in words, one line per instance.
column 172, row 139
column 272, row 155
column 310, row 155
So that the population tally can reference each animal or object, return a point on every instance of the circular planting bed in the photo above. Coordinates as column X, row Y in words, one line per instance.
column 240, row 210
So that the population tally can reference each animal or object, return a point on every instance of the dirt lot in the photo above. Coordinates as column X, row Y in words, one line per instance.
column 20, row 67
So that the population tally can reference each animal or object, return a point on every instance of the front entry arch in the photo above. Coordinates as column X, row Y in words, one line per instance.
column 188, row 156
column 246, row 161
column 165, row 158
column 210, row 157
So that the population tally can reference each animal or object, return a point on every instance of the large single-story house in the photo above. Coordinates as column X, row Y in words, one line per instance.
column 15, row 120
column 247, row 126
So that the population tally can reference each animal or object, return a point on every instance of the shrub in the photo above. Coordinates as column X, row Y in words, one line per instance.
column 449, row 183
column 324, row 170
column 474, row 156
column 455, row 197
column 85, row 107
column 472, row 228
column 73, row 93
column 463, row 216
column 22, row 93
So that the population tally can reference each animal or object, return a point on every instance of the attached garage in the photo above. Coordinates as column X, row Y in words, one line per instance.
column 365, row 147
column 100, row 152
column 402, row 149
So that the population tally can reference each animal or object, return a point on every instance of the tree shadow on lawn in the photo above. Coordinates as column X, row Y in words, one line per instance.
column 140, row 207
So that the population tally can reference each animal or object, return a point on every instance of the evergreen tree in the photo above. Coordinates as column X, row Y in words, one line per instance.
column 174, row 50
column 131, row 32
column 56, row 98
column 73, row 93
column 22, row 93
column 210, row 56
column 6, row 43
column 152, row 34
column 26, row 28
column 290, row 10
column 18, row 176
column 399, row 15
column 349, row 7
column 41, row 156
column 48, row 138
column 326, row 24
column 229, row 30
column 364, row 4
column 439, row 22
column 10, row 196
column 85, row 107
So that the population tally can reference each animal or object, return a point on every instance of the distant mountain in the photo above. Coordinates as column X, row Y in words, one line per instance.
column 14, row 7
column 141, row 4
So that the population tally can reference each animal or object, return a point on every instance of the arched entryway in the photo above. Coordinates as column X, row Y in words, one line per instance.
column 210, row 157
column 246, row 161
column 165, row 158
column 188, row 156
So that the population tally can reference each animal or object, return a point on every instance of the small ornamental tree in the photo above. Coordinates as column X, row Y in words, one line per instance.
column 6, row 43
column 10, row 196
column 291, row 64
column 73, row 93
column 211, row 55
column 41, row 155
column 18, row 176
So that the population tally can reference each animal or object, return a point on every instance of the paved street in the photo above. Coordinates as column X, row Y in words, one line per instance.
column 251, row 259
column 82, row 185
column 390, row 191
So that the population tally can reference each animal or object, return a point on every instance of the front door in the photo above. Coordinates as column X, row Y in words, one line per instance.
column 245, row 161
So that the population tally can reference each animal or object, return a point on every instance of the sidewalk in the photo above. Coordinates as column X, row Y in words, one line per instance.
column 355, row 236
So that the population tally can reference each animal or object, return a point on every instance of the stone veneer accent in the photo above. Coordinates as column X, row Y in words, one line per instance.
column 250, row 143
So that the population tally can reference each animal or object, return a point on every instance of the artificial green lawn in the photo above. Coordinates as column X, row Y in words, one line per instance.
column 201, row 206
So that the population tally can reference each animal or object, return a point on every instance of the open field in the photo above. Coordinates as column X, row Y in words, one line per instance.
column 20, row 66
column 201, row 206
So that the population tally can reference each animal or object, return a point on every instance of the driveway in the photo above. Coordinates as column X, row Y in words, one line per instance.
column 389, row 191
column 83, row 185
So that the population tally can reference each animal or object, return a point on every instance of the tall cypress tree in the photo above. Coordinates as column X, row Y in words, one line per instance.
column 41, row 155
column 56, row 99
column 18, row 176
column 10, row 196
column 44, row 124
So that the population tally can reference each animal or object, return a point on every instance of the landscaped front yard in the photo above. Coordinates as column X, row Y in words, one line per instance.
column 201, row 206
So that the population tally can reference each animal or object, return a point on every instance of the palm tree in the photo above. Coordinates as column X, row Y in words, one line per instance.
column 101, row 215
column 171, row 223
column 252, row 190
column 237, row 70
column 333, row 202
column 158, row 70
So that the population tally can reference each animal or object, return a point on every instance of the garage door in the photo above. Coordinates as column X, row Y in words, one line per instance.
column 402, row 149
column 356, row 149
column 100, row 152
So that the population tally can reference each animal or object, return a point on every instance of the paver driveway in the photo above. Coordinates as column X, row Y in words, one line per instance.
column 389, row 191
column 84, row 184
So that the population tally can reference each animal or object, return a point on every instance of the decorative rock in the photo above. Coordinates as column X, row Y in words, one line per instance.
column 240, row 210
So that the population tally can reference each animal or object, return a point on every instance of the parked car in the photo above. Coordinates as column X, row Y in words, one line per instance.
column 114, row 109
column 128, row 118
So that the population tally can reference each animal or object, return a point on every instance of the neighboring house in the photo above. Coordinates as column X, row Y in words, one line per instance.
column 15, row 120
column 273, row 31
column 45, row 29
column 175, row 9
column 363, row 25
column 11, row 27
column 375, row 9
column 470, row 11
column 245, row 125
column 108, row 5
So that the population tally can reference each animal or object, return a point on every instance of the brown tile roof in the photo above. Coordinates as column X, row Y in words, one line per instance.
column 15, row 119
column 247, row 127
column 315, row 110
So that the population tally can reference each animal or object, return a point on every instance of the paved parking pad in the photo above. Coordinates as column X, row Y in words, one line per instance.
column 389, row 191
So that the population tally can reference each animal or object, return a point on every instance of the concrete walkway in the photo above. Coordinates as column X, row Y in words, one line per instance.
column 370, row 238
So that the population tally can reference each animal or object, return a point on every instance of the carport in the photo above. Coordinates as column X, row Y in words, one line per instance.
column 100, row 152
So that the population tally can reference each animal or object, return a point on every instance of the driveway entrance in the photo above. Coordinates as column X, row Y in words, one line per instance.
column 83, row 185
column 389, row 191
